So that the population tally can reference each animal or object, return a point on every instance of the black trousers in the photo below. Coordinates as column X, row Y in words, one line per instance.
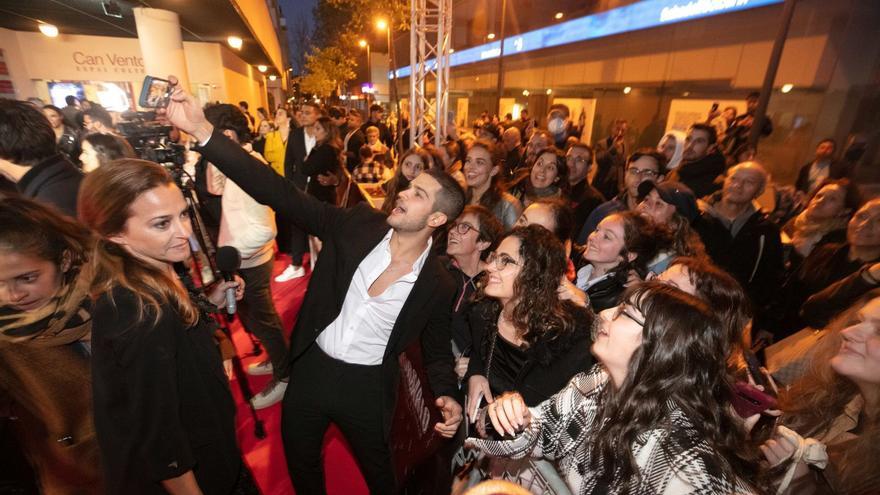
column 298, row 245
column 321, row 390
column 259, row 316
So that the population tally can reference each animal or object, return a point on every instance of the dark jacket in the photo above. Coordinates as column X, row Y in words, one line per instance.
column 700, row 175
column 348, row 236
column 610, row 163
column 324, row 159
column 549, row 364
column 821, row 307
column 584, row 199
column 824, row 266
column 53, row 181
column 753, row 256
column 618, row 203
column 838, row 169
column 162, row 401
column 466, row 288
column 294, row 157
column 353, row 147
column 513, row 161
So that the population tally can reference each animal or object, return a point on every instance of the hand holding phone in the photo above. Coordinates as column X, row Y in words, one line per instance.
column 155, row 92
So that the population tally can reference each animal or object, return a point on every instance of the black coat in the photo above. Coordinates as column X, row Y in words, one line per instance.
column 324, row 159
column 753, row 257
column 294, row 157
column 700, row 175
column 584, row 198
column 549, row 365
column 53, row 181
column 162, row 401
column 818, row 310
column 348, row 236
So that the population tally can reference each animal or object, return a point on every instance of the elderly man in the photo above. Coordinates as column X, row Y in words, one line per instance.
column 739, row 237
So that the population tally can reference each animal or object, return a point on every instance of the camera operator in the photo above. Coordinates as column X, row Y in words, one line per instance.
column 249, row 227
column 164, row 414
column 30, row 159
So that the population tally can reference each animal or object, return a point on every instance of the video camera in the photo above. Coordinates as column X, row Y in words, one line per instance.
column 152, row 140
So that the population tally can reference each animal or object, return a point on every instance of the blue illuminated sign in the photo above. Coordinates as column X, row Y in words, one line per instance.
column 640, row 15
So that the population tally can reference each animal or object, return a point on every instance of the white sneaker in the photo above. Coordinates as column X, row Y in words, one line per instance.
column 290, row 273
column 260, row 369
column 272, row 394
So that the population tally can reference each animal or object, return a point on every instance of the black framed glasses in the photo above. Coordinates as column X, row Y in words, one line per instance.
column 500, row 261
column 463, row 228
column 623, row 311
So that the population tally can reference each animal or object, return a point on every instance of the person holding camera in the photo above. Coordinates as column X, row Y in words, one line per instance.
column 164, row 414
column 249, row 227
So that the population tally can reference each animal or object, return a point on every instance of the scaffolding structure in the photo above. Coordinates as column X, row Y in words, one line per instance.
column 430, row 44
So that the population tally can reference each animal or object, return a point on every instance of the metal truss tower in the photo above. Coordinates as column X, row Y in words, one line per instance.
column 430, row 44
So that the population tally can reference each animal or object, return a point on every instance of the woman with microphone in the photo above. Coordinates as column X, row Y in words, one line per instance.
column 164, row 415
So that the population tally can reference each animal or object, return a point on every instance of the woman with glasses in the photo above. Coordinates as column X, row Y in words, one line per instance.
column 469, row 240
column 525, row 337
column 617, row 251
column 653, row 417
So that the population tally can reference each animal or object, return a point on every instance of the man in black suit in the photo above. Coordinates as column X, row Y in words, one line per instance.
column 376, row 290
column 299, row 145
column 823, row 166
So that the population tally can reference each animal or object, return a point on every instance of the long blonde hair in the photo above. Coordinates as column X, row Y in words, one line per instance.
column 104, row 205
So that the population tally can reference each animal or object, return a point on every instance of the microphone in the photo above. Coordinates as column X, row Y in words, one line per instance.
column 228, row 261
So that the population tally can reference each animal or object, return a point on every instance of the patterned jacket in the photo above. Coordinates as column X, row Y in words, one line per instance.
column 671, row 460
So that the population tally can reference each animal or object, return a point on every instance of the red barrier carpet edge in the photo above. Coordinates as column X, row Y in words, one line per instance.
column 266, row 457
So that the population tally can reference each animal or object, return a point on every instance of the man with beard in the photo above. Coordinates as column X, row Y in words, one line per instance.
column 701, row 162
column 376, row 290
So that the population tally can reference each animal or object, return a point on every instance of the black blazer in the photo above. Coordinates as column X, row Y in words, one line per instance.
column 323, row 159
column 294, row 157
column 837, row 170
column 162, row 401
column 348, row 236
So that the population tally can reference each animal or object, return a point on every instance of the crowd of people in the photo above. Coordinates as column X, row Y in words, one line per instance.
column 590, row 318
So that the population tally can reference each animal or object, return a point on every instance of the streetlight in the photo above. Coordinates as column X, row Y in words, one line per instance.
column 364, row 44
column 384, row 25
column 49, row 30
column 235, row 42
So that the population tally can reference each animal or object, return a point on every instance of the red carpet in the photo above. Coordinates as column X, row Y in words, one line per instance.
column 266, row 457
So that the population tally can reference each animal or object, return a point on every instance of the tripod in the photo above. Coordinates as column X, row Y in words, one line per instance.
column 204, row 251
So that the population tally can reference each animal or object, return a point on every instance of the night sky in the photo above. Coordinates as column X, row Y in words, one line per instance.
column 293, row 11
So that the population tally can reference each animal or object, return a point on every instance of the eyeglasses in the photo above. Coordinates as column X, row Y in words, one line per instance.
column 462, row 228
column 622, row 311
column 500, row 261
column 642, row 172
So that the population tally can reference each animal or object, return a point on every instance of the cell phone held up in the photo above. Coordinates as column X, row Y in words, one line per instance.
column 155, row 93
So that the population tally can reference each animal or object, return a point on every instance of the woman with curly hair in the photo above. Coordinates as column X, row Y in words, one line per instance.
column 836, row 403
column 618, row 250
column 653, row 417
column 45, row 330
column 525, row 337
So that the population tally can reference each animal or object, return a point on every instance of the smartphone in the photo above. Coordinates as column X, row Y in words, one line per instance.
column 155, row 93
column 754, row 367
column 714, row 107
column 748, row 400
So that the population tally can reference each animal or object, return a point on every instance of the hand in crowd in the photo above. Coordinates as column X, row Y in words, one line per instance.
column 874, row 271
column 461, row 366
column 451, row 411
column 477, row 384
column 509, row 413
column 328, row 179
column 184, row 112
column 569, row 292
column 217, row 296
